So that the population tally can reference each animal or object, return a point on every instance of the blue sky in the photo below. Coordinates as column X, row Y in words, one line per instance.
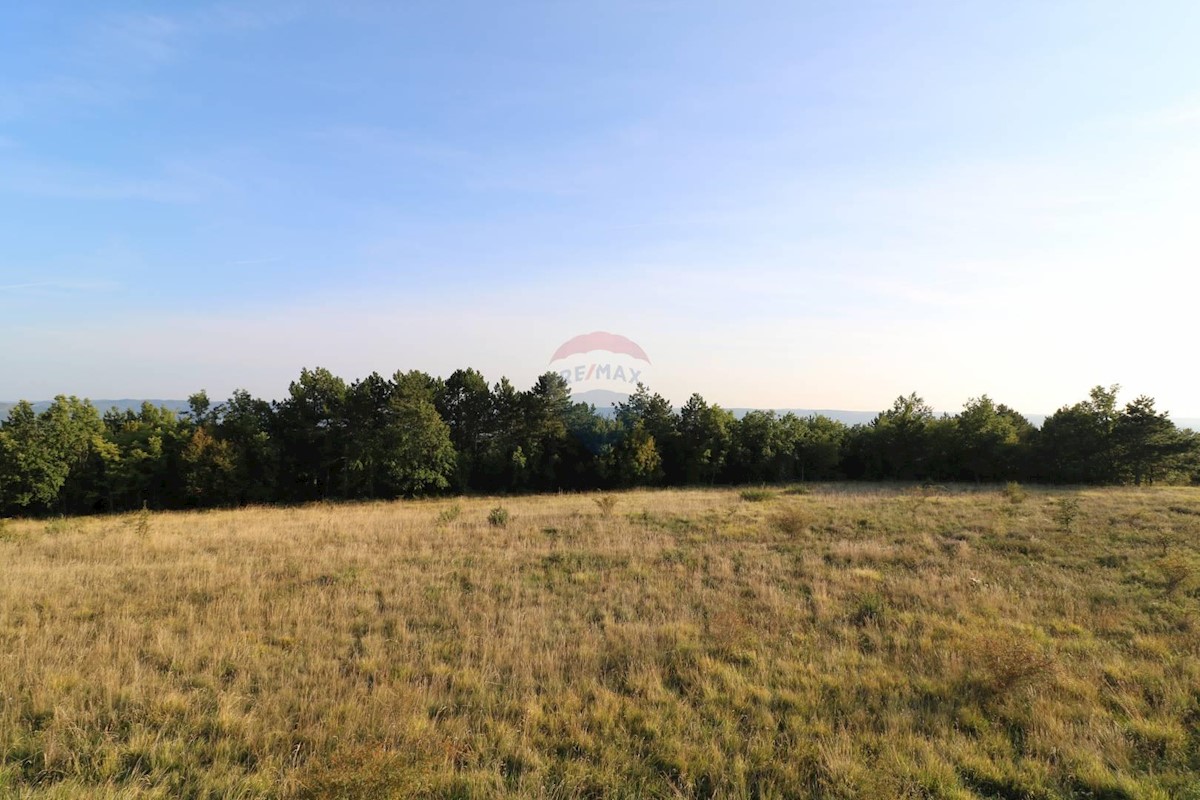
column 787, row 204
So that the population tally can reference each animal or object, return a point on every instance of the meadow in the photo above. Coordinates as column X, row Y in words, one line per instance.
column 828, row 641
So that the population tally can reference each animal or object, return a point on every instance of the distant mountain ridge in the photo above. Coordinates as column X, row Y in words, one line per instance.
column 602, row 401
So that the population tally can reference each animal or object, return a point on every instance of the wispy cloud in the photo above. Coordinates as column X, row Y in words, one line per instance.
column 100, row 63
column 151, row 38
column 232, row 17
column 72, row 286
column 248, row 262
column 107, row 59
column 170, row 182
column 391, row 145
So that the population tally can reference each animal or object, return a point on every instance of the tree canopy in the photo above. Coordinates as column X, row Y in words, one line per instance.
column 414, row 434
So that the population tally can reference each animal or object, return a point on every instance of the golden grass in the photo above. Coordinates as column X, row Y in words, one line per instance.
column 847, row 642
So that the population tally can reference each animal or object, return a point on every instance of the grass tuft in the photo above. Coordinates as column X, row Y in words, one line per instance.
column 756, row 495
column 606, row 503
column 498, row 517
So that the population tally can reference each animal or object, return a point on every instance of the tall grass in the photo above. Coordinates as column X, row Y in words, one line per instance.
column 836, row 644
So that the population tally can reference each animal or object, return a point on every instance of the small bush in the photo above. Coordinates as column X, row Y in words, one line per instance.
column 1015, row 493
column 58, row 526
column 1066, row 511
column 450, row 514
column 1009, row 663
column 792, row 521
column 1165, row 539
column 756, row 495
column 1177, row 572
column 498, row 517
column 141, row 523
column 606, row 504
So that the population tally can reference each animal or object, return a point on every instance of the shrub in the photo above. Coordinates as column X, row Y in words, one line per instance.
column 450, row 514
column 498, row 517
column 757, row 495
column 606, row 504
column 141, row 523
column 1015, row 493
column 1177, row 572
column 1009, row 663
column 1066, row 511
column 59, row 525
column 792, row 521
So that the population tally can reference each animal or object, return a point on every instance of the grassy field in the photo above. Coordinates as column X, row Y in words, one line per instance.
column 833, row 641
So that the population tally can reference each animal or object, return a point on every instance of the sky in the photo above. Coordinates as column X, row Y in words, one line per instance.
column 815, row 205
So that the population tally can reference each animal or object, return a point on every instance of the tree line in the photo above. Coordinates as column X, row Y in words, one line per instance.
column 414, row 434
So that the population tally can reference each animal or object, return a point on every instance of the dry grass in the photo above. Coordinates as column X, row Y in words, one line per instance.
column 848, row 642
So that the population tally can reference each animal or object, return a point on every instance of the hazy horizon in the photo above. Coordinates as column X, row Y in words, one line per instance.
column 787, row 205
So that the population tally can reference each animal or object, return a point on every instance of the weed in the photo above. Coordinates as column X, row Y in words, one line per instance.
column 756, row 495
column 606, row 503
column 870, row 608
column 449, row 514
column 498, row 517
column 141, row 523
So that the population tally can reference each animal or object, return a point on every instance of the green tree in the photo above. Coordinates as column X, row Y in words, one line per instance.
column 1148, row 444
column 658, row 421
column 705, row 436
column 209, row 469
column 245, row 422
column 466, row 406
column 43, row 457
column 547, row 407
column 818, row 446
column 368, row 421
column 143, row 466
column 504, row 461
column 310, row 428
column 419, row 457
column 762, row 449
column 1076, row 444
column 985, row 441
column 592, row 438
column 31, row 472
column 634, row 459
column 902, row 439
